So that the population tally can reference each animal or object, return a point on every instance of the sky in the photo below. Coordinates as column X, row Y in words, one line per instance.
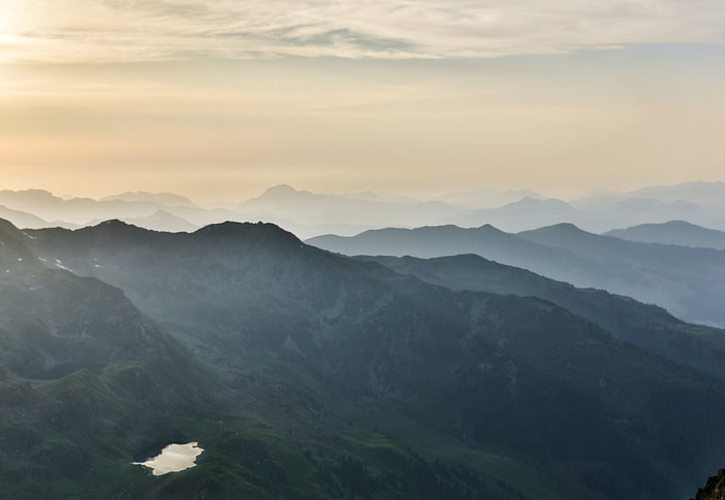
column 220, row 99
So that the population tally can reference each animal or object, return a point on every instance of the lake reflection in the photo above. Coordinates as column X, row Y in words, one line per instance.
column 173, row 458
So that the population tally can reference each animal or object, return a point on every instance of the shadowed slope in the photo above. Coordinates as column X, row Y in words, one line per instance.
column 645, row 326
column 518, row 375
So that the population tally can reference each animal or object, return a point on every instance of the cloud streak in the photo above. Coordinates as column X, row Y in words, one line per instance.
column 146, row 30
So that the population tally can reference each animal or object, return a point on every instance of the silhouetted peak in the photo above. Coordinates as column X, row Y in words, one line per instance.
column 281, row 189
column 165, row 214
column 562, row 229
column 113, row 224
column 682, row 223
column 113, row 227
column 260, row 232
column 162, row 198
column 468, row 259
column 282, row 193
column 444, row 227
column 531, row 202
column 488, row 228
column 31, row 193
column 566, row 226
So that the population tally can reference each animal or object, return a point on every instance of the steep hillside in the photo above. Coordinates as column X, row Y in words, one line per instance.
column 85, row 379
column 645, row 326
column 522, row 379
column 89, row 384
column 688, row 282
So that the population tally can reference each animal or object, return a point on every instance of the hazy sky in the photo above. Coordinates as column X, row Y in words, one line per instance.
column 218, row 99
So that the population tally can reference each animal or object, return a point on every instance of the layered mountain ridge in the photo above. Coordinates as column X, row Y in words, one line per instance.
column 310, row 214
column 680, row 233
column 688, row 282
column 518, row 375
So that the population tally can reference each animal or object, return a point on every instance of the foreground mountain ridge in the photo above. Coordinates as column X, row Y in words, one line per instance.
column 87, row 382
column 489, row 372
column 84, row 377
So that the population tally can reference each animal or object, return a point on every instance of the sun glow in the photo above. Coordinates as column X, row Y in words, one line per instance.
column 8, row 17
column 13, row 17
column 11, row 27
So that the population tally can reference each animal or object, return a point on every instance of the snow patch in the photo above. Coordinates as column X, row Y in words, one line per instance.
column 59, row 264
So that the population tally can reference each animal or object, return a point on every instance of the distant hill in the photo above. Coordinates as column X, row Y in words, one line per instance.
column 162, row 220
column 487, row 198
column 688, row 282
column 22, row 219
column 526, row 213
column 696, row 192
column 163, row 199
column 161, row 211
column 643, row 325
column 77, row 211
column 294, row 208
column 701, row 203
column 673, row 233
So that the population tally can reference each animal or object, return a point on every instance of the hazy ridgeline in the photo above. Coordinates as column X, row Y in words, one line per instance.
column 312, row 214
column 689, row 282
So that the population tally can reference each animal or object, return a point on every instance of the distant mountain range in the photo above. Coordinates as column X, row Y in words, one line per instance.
column 169, row 200
column 487, row 198
column 688, row 282
column 297, row 210
column 673, row 233
column 23, row 219
column 324, row 376
column 309, row 214
column 516, row 211
column 161, row 220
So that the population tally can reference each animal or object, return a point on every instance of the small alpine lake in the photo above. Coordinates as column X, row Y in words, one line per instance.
column 173, row 458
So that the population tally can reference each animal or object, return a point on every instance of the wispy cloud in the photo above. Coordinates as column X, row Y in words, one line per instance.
column 143, row 30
